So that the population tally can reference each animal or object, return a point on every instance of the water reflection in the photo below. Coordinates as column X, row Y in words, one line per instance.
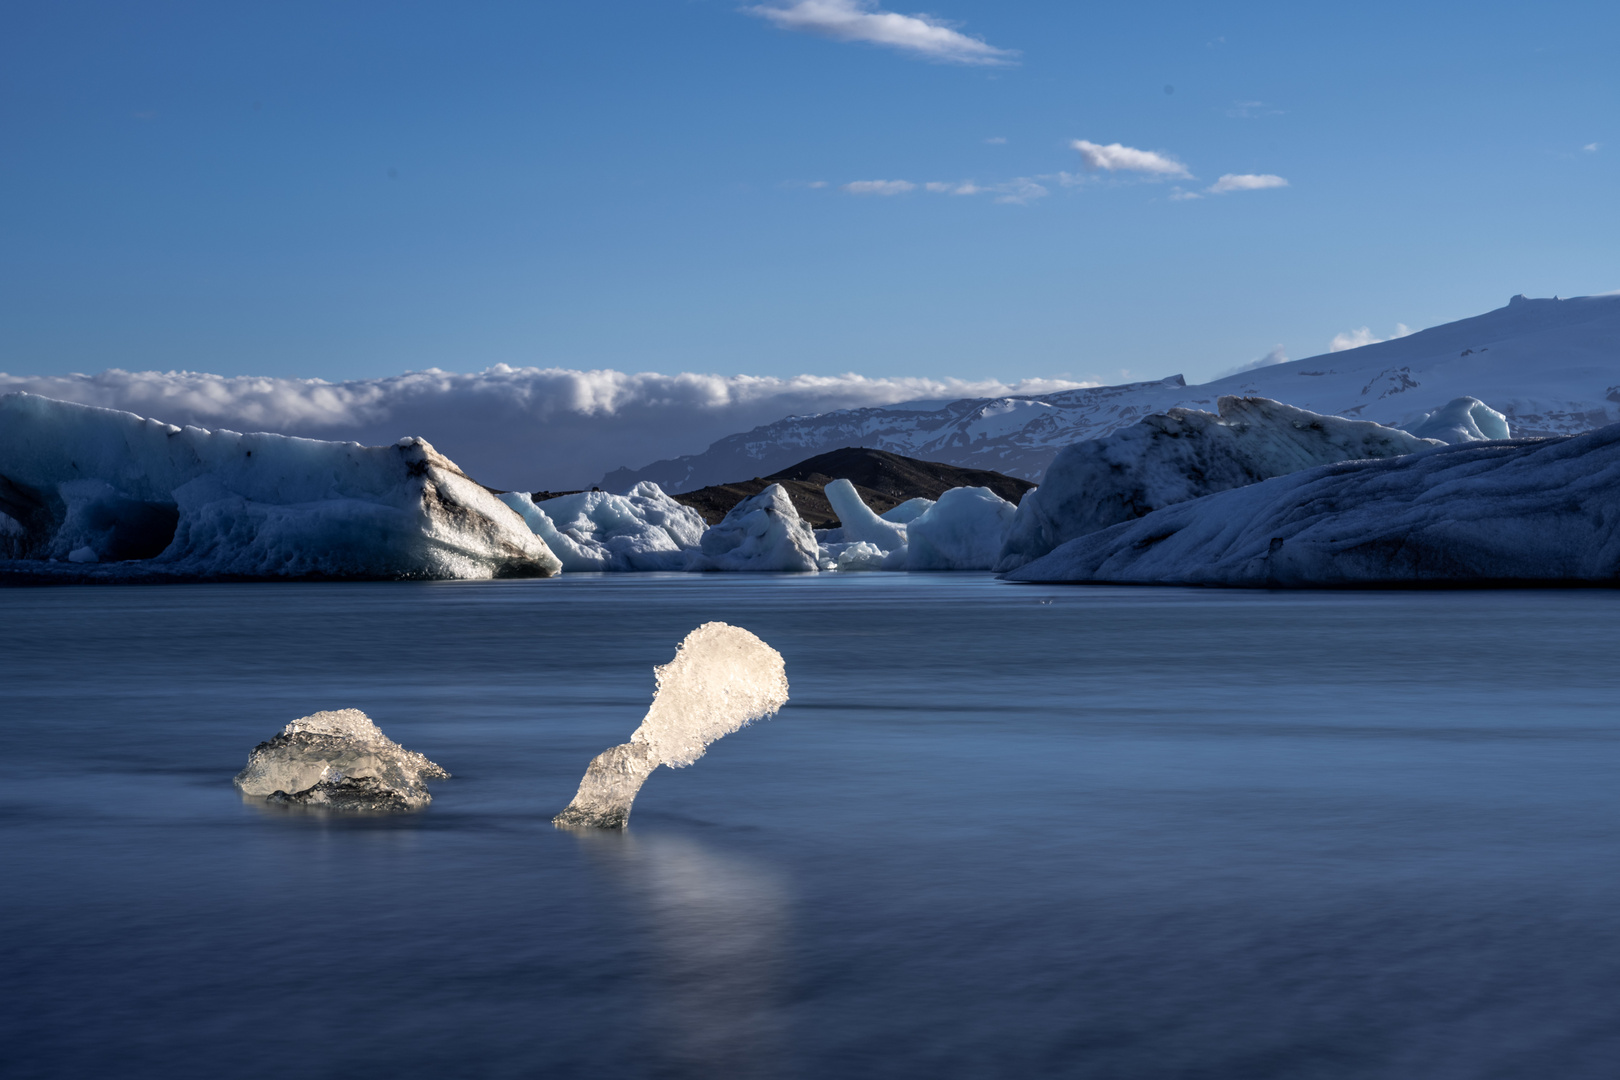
column 717, row 927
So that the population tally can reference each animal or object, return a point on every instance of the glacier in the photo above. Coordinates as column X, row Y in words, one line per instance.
column 1524, row 511
column 1182, row 454
column 93, row 485
column 963, row 530
column 722, row 678
column 1550, row 366
column 762, row 533
column 594, row 530
column 338, row 760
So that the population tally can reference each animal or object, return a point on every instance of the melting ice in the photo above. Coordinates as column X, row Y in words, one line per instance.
column 338, row 760
column 722, row 678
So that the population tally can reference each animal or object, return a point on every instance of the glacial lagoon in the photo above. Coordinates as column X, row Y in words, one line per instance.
column 998, row 830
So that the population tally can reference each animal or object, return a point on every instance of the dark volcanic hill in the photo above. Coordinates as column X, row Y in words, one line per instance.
column 884, row 481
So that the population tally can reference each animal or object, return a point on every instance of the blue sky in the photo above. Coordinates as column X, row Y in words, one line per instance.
column 354, row 190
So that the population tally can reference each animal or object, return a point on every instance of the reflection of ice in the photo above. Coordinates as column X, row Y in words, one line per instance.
column 716, row 979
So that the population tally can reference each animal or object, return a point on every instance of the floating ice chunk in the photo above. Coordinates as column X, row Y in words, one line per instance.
column 339, row 760
column 760, row 533
column 1461, row 420
column 858, row 521
column 722, row 678
column 964, row 530
column 1541, row 510
column 864, row 555
column 215, row 503
column 594, row 530
column 908, row 511
column 83, row 555
column 1181, row 455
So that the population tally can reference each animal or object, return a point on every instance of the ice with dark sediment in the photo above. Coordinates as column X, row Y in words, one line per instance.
column 1184, row 454
column 93, row 486
column 722, row 678
column 338, row 760
column 1517, row 511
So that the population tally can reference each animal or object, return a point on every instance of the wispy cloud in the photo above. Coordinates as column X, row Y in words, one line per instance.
column 1355, row 339
column 1001, row 140
column 879, row 187
column 1590, row 148
column 1116, row 157
column 1271, row 359
column 863, row 20
column 1245, row 182
column 1178, row 195
column 1248, row 110
column 523, row 428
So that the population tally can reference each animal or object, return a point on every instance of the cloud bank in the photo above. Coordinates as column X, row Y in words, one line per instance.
column 518, row 428
column 1116, row 157
column 863, row 21
column 1355, row 339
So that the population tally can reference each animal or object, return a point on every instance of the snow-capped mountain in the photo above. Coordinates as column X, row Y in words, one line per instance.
column 1552, row 366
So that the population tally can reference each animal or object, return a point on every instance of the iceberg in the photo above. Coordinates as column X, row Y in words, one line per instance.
column 338, row 760
column 94, row 485
column 1461, row 420
column 721, row 679
column 1531, row 511
column 964, row 530
column 859, row 523
column 761, row 533
column 593, row 530
column 908, row 511
column 1183, row 454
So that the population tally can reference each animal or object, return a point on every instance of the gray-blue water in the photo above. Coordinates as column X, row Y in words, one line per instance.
column 999, row 831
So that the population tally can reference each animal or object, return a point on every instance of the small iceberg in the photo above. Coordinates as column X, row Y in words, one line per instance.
column 721, row 679
column 338, row 760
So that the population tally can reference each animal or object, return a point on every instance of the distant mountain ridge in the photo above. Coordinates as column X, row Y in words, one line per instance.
column 1552, row 366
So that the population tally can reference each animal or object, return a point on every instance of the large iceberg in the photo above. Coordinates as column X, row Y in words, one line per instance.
column 338, row 760
column 763, row 533
column 1184, row 454
column 722, row 678
column 593, row 530
column 95, row 485
column 963, row 530
column 1526, row 511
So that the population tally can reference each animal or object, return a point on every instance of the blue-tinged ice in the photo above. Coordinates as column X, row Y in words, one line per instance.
column 594, row 530
column 1183, row 454
column 1461, row 420
column 964, row 530
column 97, row 486
column 1525, row 511
column 761, row 533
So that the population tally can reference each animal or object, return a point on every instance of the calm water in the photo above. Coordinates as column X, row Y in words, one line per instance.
column 999, row 831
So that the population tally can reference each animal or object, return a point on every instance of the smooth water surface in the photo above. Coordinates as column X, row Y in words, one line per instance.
column 999, row 831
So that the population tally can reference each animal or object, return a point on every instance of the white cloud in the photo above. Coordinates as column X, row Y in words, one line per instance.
column 1355, row 339
column 1275, row 356
column 880, row 187
column 863, row 20
column 1000, row 140
column 1116, row 157
column 1590, row 148
column 1248, row 110
column 523, row 428
column 1245, row 182
column 1178, row 195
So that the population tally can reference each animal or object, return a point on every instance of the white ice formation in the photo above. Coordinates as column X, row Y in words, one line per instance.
column 593, row 530
column 338, row 760
column 908, row 511
column 761, row 533
column 1464, row 419
column 1180, row 455
column 859, row 522
column 1526, row 511
column 94, row 485
column 722, row 678
column 964, row 530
